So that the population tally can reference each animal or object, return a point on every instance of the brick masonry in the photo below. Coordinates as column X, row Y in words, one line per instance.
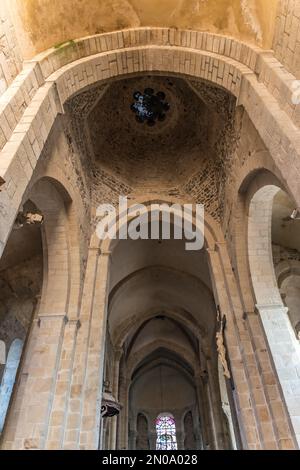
column 287, row 36
column 37, row 145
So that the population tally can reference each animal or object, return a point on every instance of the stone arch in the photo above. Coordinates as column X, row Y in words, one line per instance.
column 260, row 253
column 269, row 305
column 212, row 230
column 152, row 347
column 105, row 248
column 251, row 94
column 170, row 362
column 178, row 368
column 196, row 324
column 178, row 317
column 175, row 314
column 251, row 180
column 59, row 300
column 187, row 57
column 52, row 199
column 217, row 248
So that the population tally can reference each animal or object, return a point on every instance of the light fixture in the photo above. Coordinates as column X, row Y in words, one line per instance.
column 109, row 407
column 149, row 107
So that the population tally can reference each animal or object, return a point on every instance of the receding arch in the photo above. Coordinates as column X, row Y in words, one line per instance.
column 186, row 61
column 212, row 230
column 167, row 346
column 160, row 403
column 50, row 199
column 251, row 92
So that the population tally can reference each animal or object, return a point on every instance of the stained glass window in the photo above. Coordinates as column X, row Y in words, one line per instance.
column 150, row 107
column 166, row 433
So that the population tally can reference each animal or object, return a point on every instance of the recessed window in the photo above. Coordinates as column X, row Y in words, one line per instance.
column 166, row 433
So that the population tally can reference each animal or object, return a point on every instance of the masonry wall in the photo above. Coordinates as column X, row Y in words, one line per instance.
column 10, row 55
column 287, row 35
column 55, row 162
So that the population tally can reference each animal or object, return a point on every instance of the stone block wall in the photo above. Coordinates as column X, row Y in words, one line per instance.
column 287, row 35
column 26, row 158
column 10, row 55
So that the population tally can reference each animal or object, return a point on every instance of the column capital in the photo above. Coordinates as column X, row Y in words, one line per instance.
column 75, row 322
column 96, row 249
column 105, row 252
column 271, row 307
column 221, row 244
column 118, row 353
column 52, row 316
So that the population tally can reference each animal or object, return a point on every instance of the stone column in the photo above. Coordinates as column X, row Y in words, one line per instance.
column 123, row 417
column 203, row 405
column 132, row 439
column 26, row 430
column 216, row 408
column 115, row 393
column 269, row 411
column 285, row 350
column 79, row 361
column 93, row 379
column 60, row 427
column 197, row 433
column 247, row 420
column 152, row 440
column 180, row 435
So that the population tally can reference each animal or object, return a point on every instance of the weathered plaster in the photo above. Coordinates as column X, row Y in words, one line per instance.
column 47, row 23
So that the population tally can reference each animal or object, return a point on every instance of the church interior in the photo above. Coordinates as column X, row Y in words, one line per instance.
column 130, row 343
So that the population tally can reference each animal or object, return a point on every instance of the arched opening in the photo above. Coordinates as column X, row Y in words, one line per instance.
column 162, row 320
column 34, row 280
column 286, row 255
column 273, row 234
column 152, row 392
column 171, row 288
column 21, row 276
